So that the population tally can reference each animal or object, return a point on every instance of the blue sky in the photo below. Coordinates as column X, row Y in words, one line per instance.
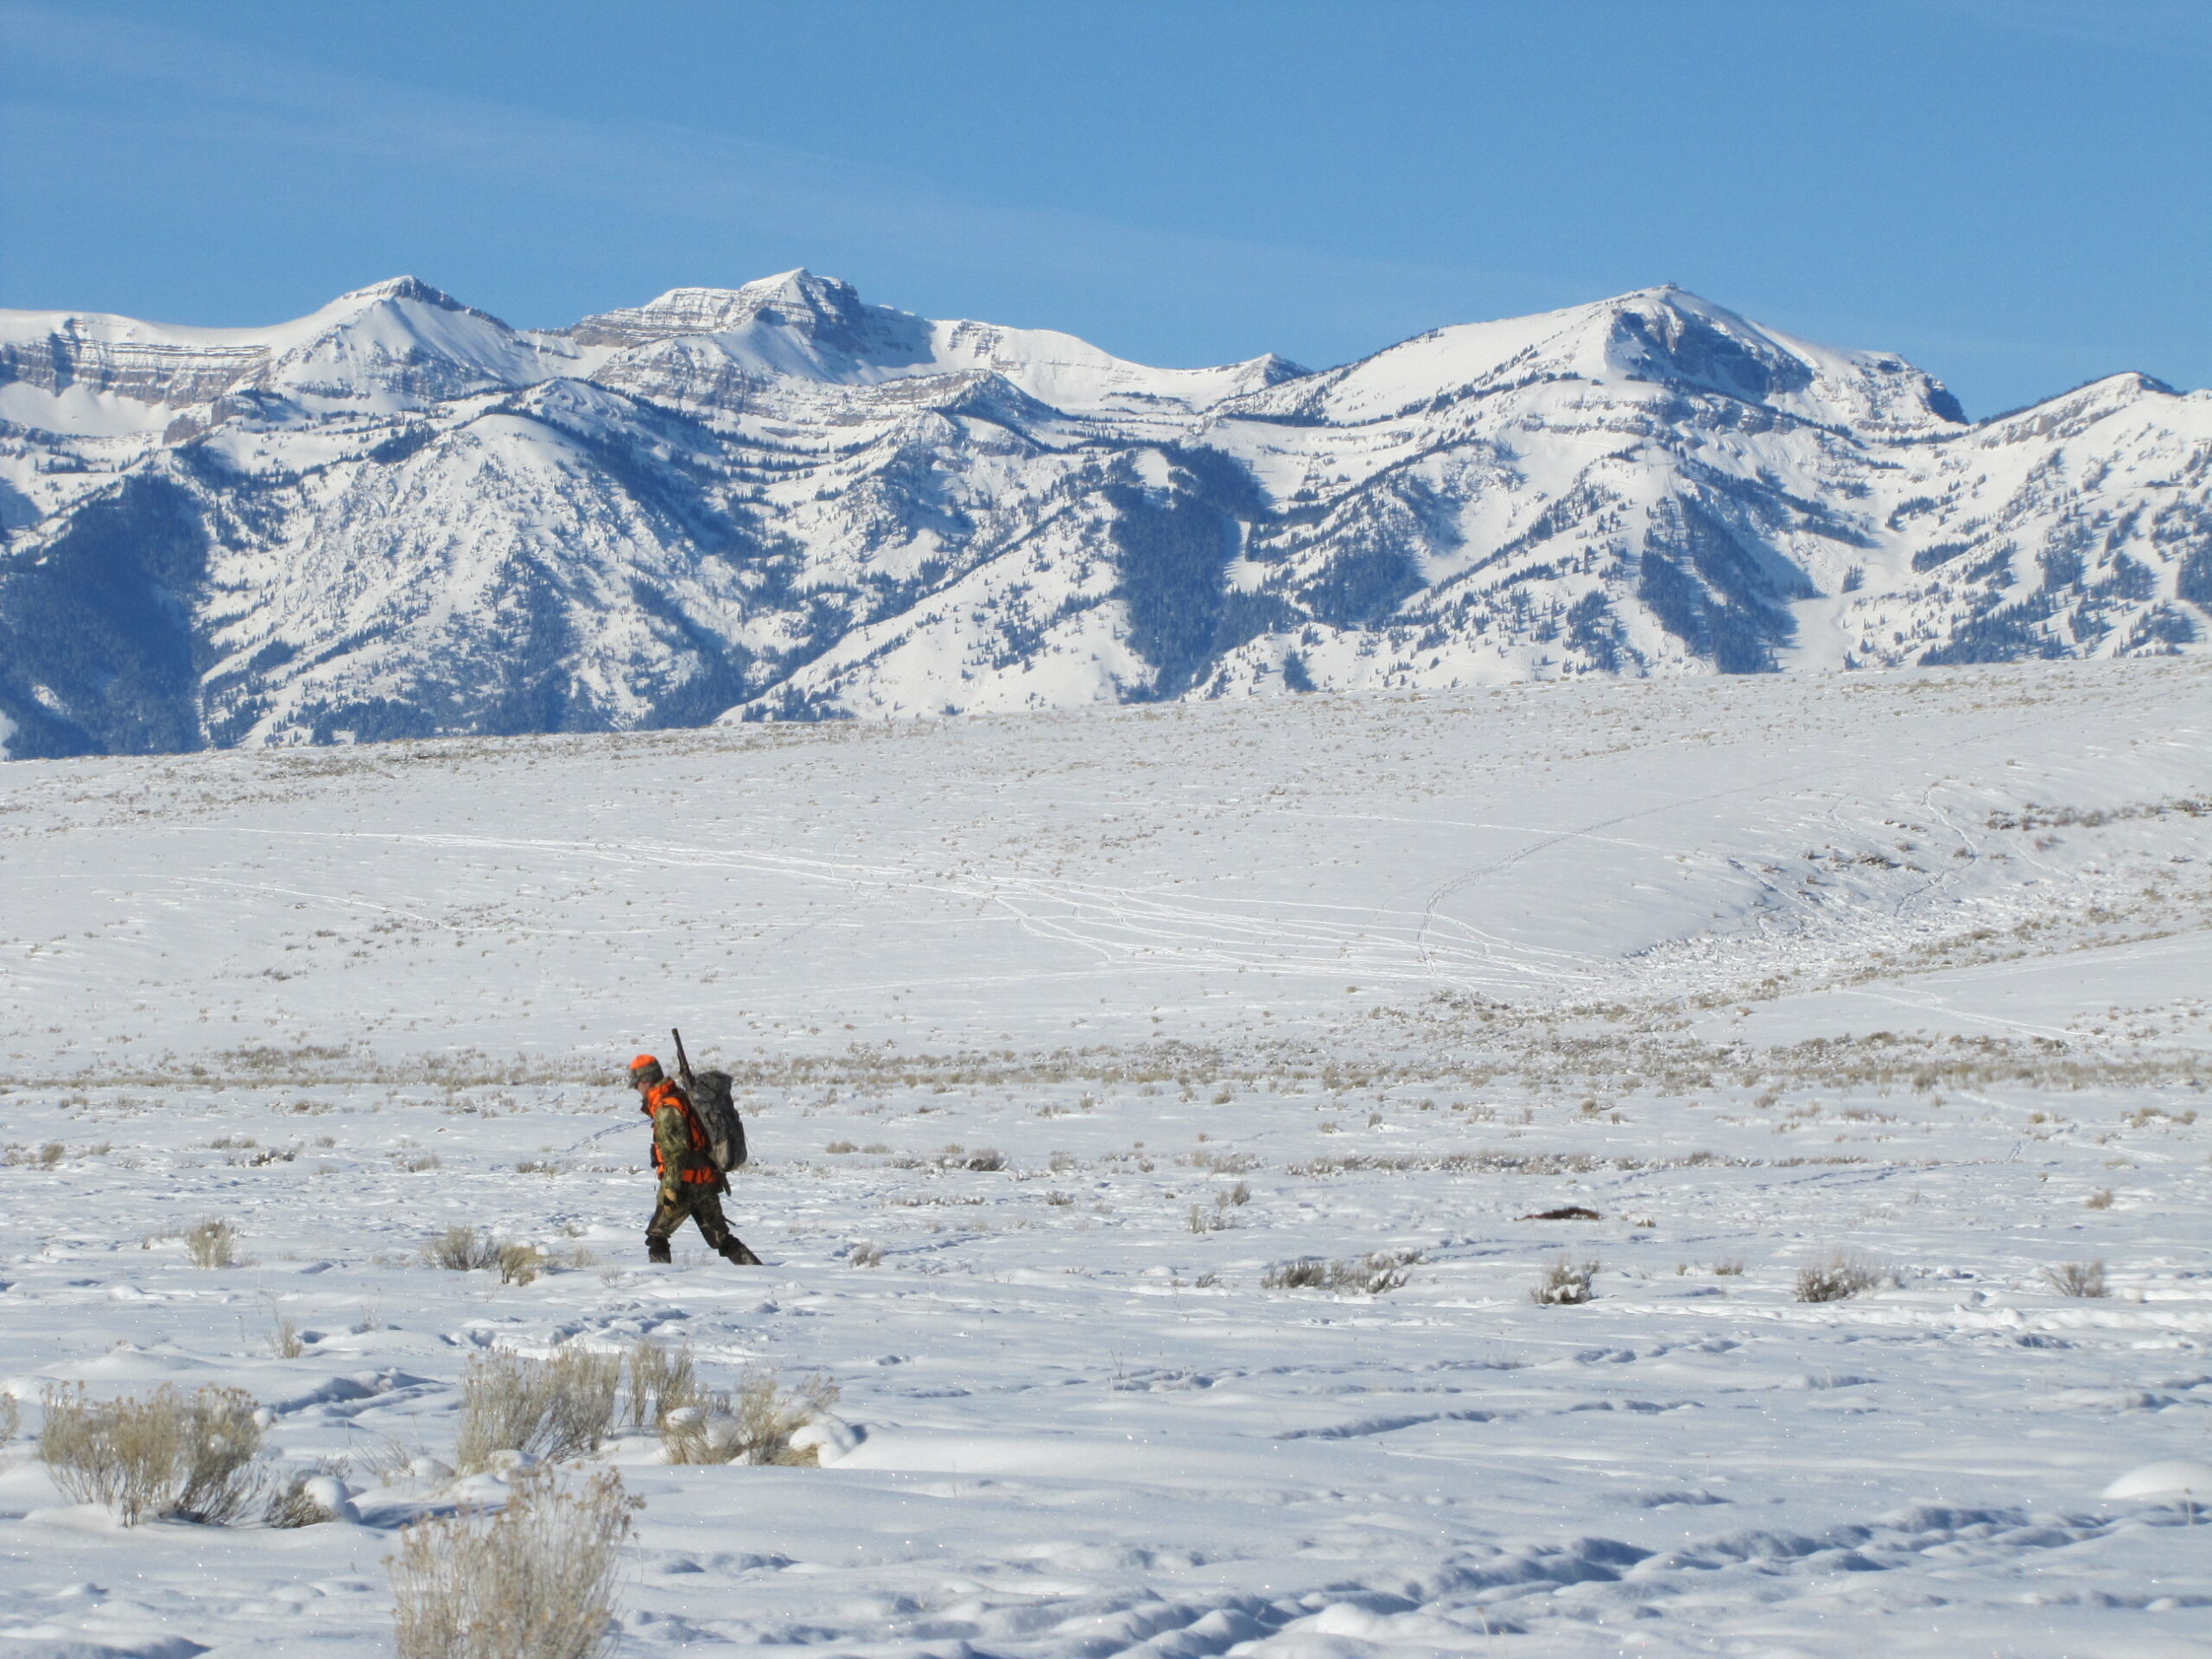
column 2012, row 193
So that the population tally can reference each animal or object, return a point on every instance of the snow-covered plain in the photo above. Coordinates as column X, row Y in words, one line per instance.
column 1908, row 965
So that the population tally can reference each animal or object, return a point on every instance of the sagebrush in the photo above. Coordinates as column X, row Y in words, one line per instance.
column 194, row 1456
column 560, row 1407
column 661, row 1380
column 308, row 1498
column 1564, row 1283
column 752, row 1423
column 213, row 1243
column 284, row 1337
column 461, row 1250
column 2085, row 1279
column 520, row 1264
column 533, row 1580
column 1370, row 1274
column 1839, row 1277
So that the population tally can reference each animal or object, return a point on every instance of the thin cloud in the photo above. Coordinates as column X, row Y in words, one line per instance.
column 2161, row 27
column 776, row 192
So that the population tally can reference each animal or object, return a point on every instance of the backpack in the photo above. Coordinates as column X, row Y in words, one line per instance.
column 717, row 1114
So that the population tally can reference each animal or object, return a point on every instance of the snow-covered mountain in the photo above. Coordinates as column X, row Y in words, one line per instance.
column 400, row 516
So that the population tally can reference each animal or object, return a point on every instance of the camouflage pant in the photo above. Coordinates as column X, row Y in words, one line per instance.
column 701, row 1203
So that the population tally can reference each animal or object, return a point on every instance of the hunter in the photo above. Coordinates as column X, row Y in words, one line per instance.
column 689, row 1183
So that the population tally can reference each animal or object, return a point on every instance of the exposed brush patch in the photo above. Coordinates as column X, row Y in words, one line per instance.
column 169, row 1453
column 308, row 1498
column 551, row 1408
column 1838, row 1277
column 1564, row 1283
column 213, row 1243
column 534, row 1580
column 2085, row 1279
column 1524, row 1163
column 461, row 1250
column 1368, row 1275
column 753, row 1423
column 662, row 1379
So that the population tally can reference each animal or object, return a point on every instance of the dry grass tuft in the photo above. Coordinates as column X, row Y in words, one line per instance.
column 388, row 1461
column 213, row 1243
column 1841, row 1276
column 661, row 1380
column 284, row 1338
column 1564, row 1283
column 553, row 1408
column 2077, row 1279
column 755, row 1424
column 866, row 1253
column 192, row 1456
column 535, row 1580
column 520, row 1264
column 461, row 1250
column 1370, row 1274
column 310, row 1498
column 2100, row 1199
column 12, row 1417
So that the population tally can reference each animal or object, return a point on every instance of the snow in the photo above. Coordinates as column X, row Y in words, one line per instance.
column 799, row 325
column 1651, row 332
column 1905, row 964
column 2178, row 1478
column 80, row 410
column 778, row 501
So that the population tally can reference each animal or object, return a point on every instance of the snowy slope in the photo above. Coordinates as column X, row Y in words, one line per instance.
column 1908, row 965
column 400, row 517
column 812, row 327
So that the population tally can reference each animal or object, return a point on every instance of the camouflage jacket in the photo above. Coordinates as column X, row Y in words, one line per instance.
column 679, row 1143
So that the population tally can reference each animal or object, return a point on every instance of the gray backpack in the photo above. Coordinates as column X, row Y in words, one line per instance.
column 717, row 1114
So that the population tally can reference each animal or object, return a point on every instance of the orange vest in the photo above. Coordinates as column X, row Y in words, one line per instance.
column 698, row 1168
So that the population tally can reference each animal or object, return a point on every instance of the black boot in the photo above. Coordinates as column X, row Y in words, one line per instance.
column 736, row 1254
column 657, row 1249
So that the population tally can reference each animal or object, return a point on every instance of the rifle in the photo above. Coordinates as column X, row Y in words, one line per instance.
column 683, row 1064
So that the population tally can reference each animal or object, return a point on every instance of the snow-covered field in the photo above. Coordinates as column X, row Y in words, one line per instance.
column 1916, row 966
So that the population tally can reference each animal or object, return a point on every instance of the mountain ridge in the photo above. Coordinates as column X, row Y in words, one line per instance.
column 400, row 516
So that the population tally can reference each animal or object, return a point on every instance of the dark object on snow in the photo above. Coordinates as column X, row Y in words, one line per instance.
column 1569, row 1212
column 712, row 1104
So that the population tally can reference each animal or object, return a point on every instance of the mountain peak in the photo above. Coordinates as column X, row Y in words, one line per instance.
column 796, row 298
column 400, row 288
column 779, row 498
column 1668, row 334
